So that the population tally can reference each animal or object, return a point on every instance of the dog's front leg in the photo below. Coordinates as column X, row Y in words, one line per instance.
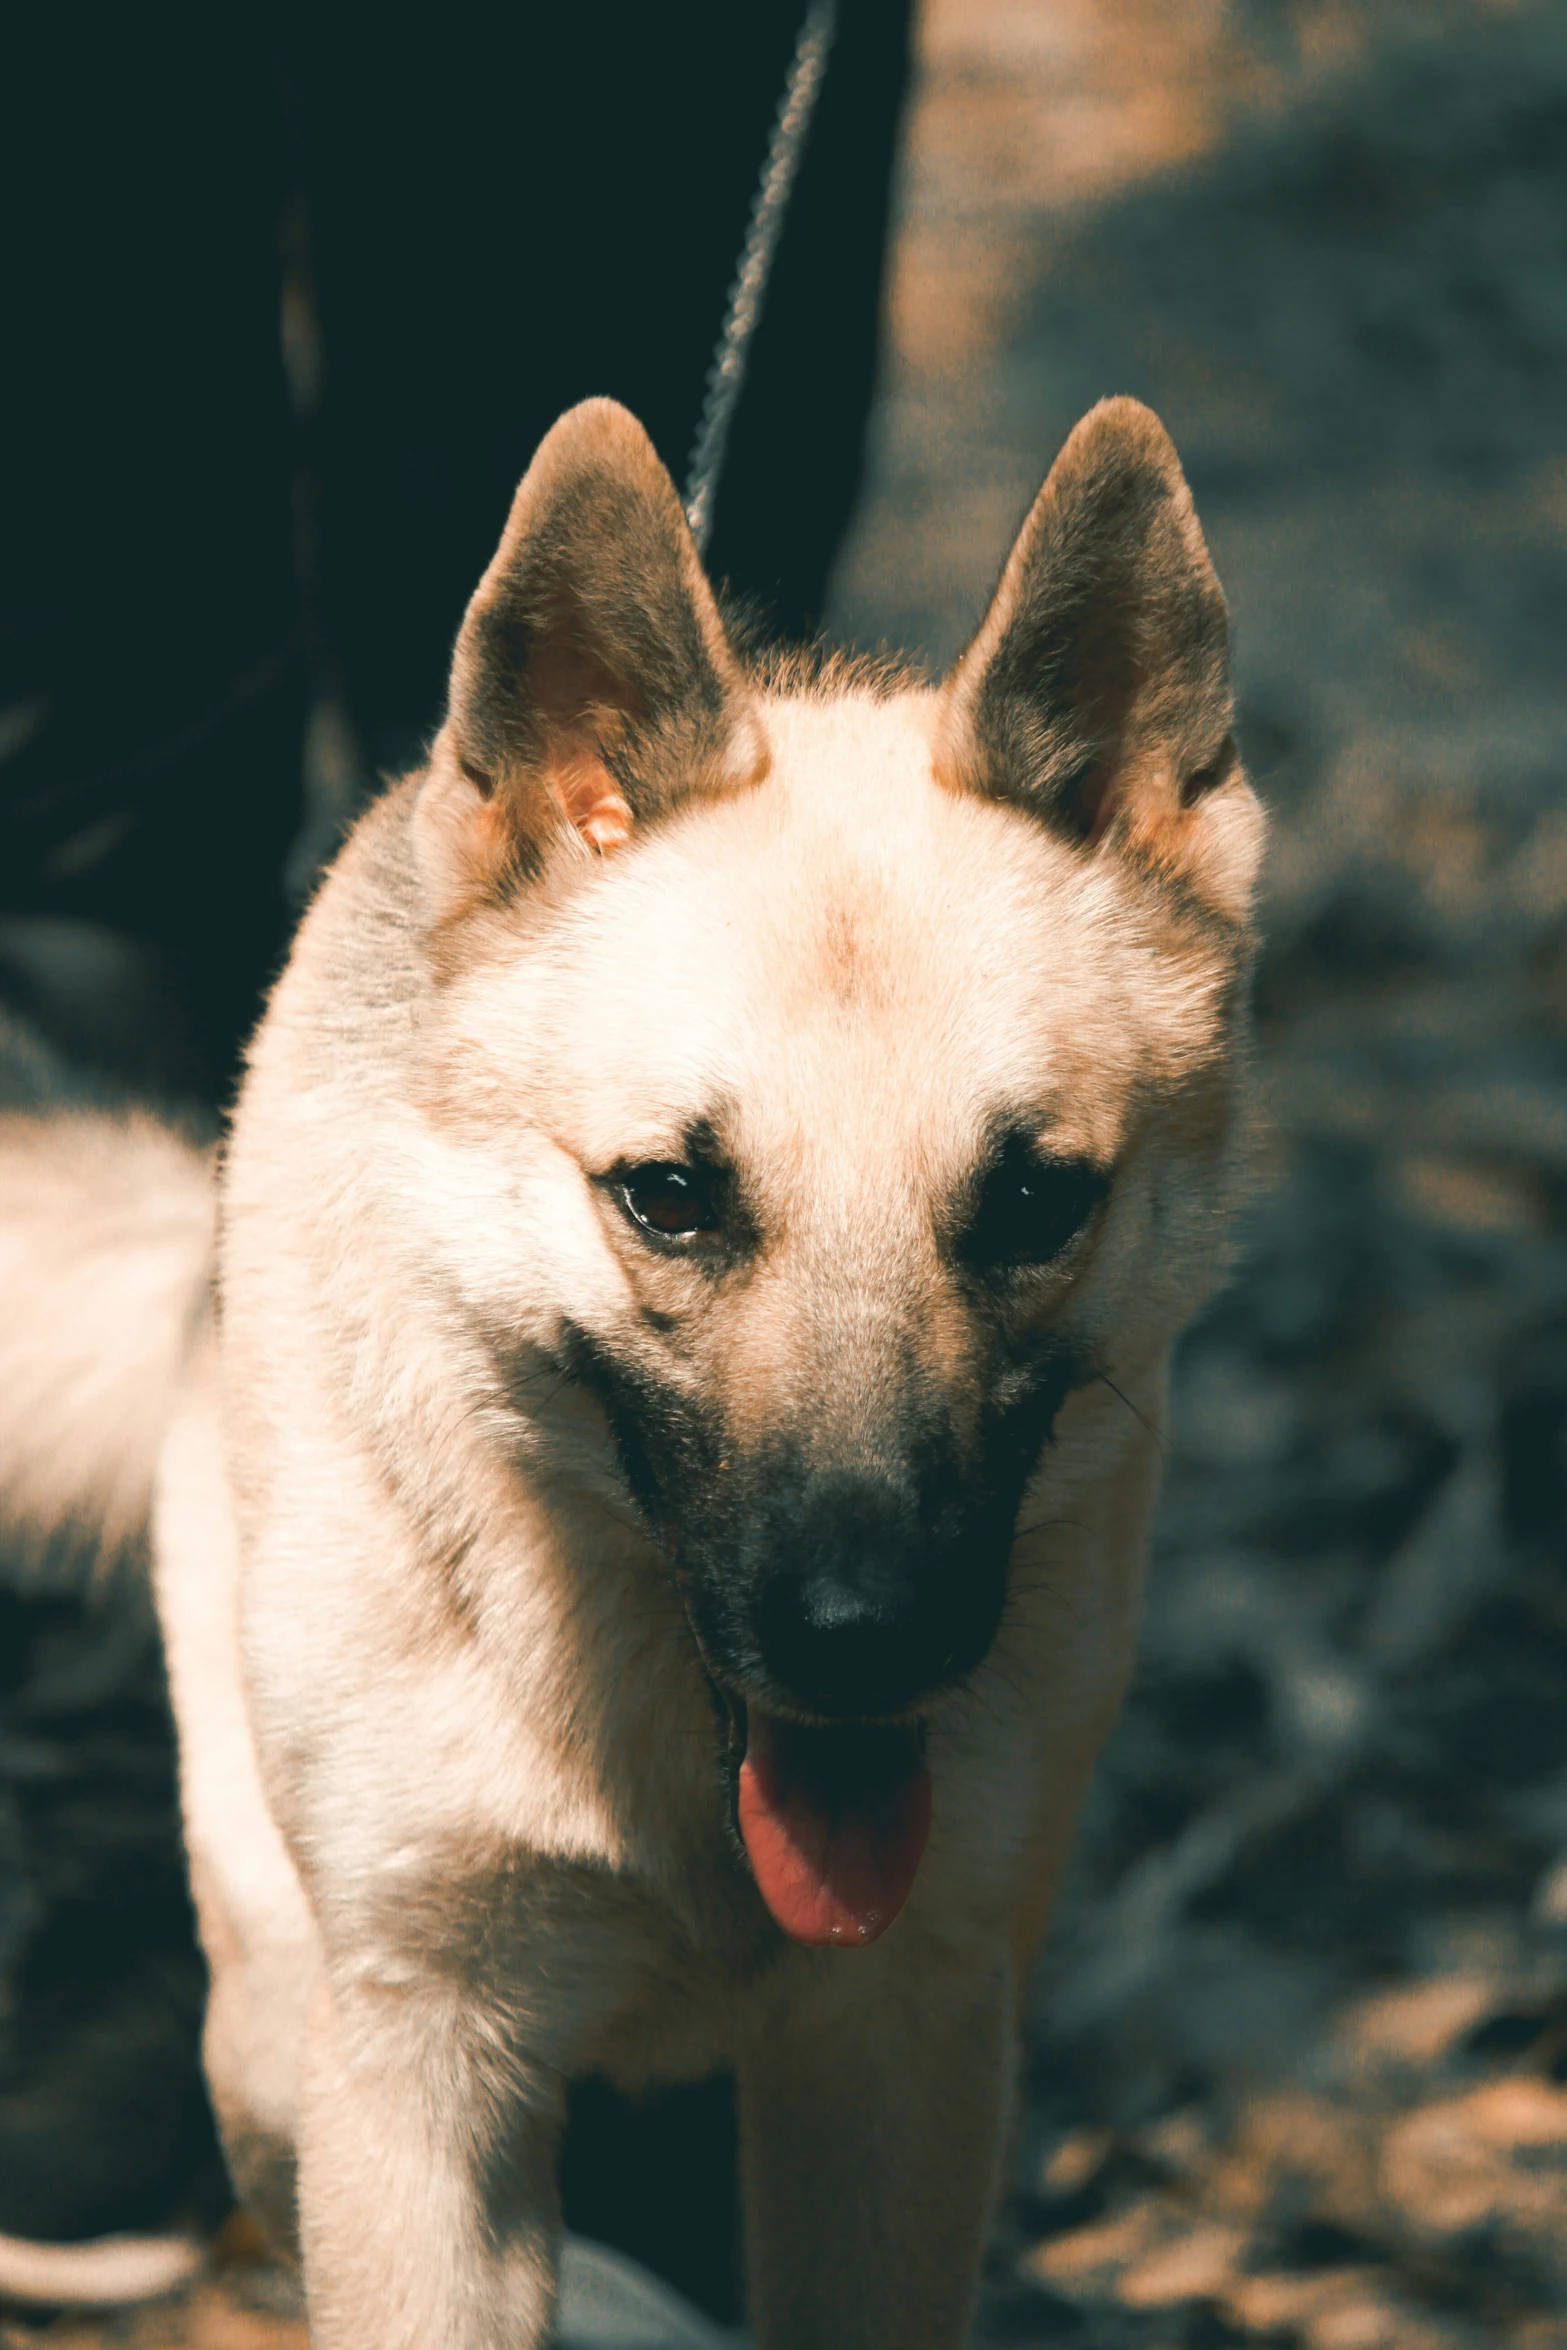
column 873, row 2111
column 429, row 2216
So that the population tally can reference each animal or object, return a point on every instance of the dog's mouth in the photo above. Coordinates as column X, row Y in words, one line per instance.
column 834, row 1821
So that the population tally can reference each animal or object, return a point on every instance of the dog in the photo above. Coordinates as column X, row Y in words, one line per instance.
column 649, row 1536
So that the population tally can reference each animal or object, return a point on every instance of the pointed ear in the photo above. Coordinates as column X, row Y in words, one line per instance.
column 593, row 689
column 1097, row 693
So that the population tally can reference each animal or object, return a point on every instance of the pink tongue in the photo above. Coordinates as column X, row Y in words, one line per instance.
column 835, row 1822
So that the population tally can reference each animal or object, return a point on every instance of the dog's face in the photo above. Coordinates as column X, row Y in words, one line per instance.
column 846, row 1069
column 846, row 1107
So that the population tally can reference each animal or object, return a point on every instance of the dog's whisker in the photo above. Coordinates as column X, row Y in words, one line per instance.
column 1140, row 1417
column 1050, row 1526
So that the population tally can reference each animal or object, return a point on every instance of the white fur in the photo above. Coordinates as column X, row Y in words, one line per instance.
column 105, row 2274
column 105, row 1243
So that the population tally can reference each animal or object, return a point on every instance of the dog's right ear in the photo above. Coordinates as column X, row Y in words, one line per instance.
column 1096, row 696
column 593, row 689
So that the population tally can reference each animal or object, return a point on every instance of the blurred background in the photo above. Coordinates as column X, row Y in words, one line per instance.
column 1298, row 2071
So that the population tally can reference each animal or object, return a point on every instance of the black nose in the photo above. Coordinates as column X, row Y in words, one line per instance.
column 850, row 1620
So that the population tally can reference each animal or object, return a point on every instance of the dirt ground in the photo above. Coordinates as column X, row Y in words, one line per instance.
column 1299, row 2066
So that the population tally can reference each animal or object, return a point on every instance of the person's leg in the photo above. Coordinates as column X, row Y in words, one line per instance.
column 150, row 695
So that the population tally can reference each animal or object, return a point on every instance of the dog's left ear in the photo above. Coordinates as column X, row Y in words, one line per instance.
column 593, row 688
column 1097, row 693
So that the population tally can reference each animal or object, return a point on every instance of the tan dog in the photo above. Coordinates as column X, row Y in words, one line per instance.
column 702, row 1235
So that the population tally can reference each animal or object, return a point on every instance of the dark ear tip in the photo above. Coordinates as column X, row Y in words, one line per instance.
column 591, row 461
column 1131, row 422
column 1121, row 435
column 597, row 432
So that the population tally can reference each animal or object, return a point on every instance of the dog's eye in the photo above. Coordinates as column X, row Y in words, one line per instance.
column 1029, row 1207
column 672, row 1202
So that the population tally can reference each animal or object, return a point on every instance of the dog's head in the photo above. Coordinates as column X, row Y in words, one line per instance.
column 851, row 1065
